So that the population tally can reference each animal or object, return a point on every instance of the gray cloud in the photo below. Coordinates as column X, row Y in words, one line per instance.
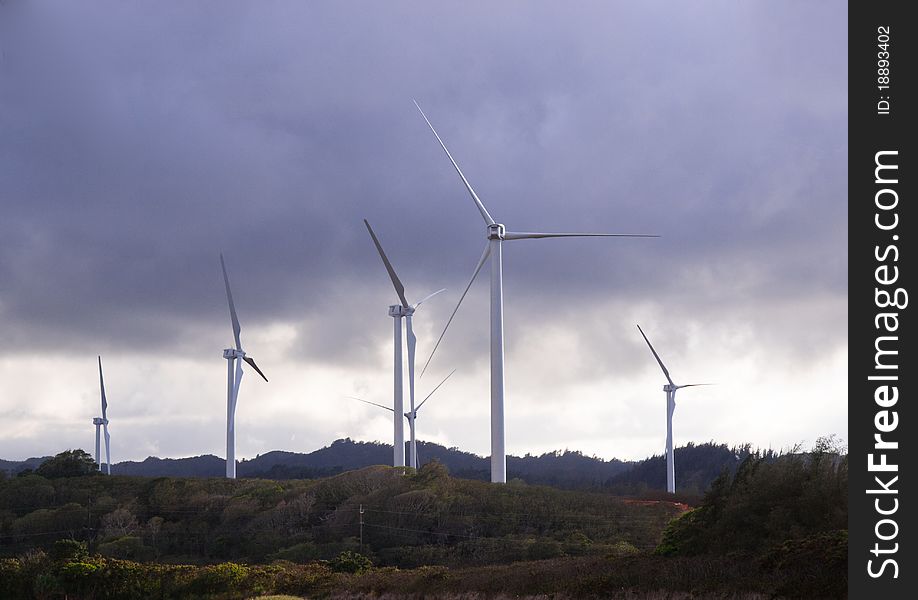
column 136, row 145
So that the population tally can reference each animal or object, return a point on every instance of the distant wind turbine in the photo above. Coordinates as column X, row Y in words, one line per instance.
column 397, row 311
column 103, row 422
column 496, row 235
column 411, row 416
column 670, row 389
column 234, row 357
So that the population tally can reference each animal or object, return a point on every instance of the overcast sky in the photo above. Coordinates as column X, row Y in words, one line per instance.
column 137, row 143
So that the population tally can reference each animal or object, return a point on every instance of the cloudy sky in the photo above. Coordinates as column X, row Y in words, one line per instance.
column 137, row 144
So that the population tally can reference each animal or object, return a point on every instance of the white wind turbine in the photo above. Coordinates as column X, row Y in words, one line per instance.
column 496, row 235
column 103, row 423
column 397, row 311
column 411, row 416
column 670, row 389
column 234, row 357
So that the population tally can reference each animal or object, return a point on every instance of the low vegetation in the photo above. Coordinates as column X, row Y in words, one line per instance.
column 777, row 526
column 409, row 518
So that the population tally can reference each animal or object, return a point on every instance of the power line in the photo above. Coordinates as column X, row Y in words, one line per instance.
column 426, row 532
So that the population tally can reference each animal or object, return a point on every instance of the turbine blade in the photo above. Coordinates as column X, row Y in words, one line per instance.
column 434, row 390
column 399, row 288
column 389, row 408
column 102, row 387
column 484, row 257
column 679, row 387
column 481, row 207
column 232, row 306
column 657, row 356
column 526, row 235
column 251, row 362
column 426, row 298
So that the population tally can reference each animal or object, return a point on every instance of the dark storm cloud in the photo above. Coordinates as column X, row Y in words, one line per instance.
column 137, row 145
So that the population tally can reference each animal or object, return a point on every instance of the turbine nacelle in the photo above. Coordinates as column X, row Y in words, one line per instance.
column 397, row 310
column 669, row 387
column 233, row 353
column 496, row 231
column 99, row 421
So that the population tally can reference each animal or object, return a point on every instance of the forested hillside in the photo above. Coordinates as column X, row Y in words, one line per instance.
column 776, row 528
column 697, row 466
column 409, row 519
column 11, row 467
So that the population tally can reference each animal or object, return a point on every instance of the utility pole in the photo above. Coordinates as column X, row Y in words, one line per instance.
column 361, row 527
column 89, row 531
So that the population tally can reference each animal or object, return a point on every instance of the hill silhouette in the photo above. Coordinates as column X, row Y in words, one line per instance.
column 696, row 466
column 17, row 466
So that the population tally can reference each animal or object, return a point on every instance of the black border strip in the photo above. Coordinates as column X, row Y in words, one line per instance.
column 881, row 271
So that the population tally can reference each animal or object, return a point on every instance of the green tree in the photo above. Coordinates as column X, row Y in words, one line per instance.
column 69, row 463
column 118, row 523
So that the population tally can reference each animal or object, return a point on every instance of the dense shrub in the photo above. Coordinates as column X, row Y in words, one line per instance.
column 815, row 566
column 350, row 562
column 127, row 547
column 68, row 550
column 14, row 580
column 79, row 578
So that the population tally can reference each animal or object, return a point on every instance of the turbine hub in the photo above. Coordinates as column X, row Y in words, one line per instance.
column 98, row 421
column 496, row 231
column 229, row 353
column 669, row 388
column 397, row 310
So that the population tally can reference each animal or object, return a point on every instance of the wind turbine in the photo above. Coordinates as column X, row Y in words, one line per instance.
column 670, row 389
column 496, row 235
column 103, row 423
column 411, row 416
column 234, row 358
column 397, row 311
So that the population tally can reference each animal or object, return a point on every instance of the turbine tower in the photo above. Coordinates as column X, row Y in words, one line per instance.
column 103, row 423
column 670, row 389
column 411, row 416
column 397, row 311
column 234, row 358
column 496, row 234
